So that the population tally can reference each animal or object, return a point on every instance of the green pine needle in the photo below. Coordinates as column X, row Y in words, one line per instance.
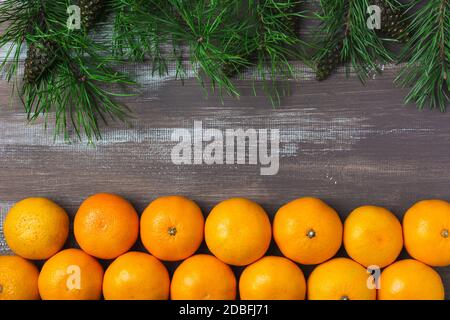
column 74, row 84
column 344, row 22
column 427, row 53
column 220, row 38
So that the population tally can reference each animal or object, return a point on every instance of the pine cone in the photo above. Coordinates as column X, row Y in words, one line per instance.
column 393, row 22
column 329, row 62
column 90, row 11
column 38, row 61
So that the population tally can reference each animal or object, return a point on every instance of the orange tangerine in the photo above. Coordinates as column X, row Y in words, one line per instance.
column 272, row 278
column 410, row 280
column 136, row 276
column 106, row 226
column 373, row 236
column 340, row 279
column 18, row 279
column 71, row 275
column 172, row 228
column 36, row 228
column 307, row 230
column 426, row 228
column 203, row 277
column 238, row 231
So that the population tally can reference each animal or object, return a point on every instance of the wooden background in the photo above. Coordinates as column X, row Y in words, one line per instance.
column 346, row 143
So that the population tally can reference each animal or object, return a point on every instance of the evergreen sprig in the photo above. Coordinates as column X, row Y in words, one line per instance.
column 203, row 28
column 70, row 74
column 220, row 38
column 274, row 43
column 427, row 52
column 20, row 19
column 347, row 36
column 75, row 82
column 77, row 89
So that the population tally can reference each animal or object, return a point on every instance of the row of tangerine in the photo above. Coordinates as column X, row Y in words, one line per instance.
column 167, row 222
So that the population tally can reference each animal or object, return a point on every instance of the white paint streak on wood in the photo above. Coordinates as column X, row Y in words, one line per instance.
column 311, row 135
column 11, row 46
column 4, row 208
column 143, row 74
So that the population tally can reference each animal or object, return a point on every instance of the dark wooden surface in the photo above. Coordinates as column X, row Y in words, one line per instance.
column 341, row 141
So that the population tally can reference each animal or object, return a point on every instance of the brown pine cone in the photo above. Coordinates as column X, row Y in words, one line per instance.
column 90, row 11
column 329, row 62
column 38, row 61
column 393, row 22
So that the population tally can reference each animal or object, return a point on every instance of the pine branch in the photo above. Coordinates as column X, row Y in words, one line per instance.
column 76, row 90
column 427, row 51
column 273, row 40
column 222, row 37
column 348, row 39
column 65, row 71
column 135, row 33
column 19, row 18
column 212, row 34
column 276, row 43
